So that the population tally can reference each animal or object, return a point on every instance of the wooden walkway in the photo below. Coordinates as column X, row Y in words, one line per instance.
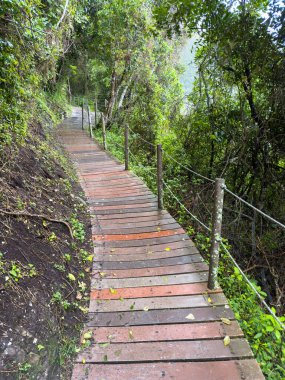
column 150, row 313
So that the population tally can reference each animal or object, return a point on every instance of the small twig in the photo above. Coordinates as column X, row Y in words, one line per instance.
column 14, row 213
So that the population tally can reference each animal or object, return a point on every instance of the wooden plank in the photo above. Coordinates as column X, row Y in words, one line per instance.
column 156, row 303
column 220, row 370
column 165, row 242
column 124, row 230
column 134, row 264
column 154, row 333
column 138, row 236
column 184, row 248
column 149, row 281
column 158, row 317
column 197, row 350
column 149, row 272
column 153, row 291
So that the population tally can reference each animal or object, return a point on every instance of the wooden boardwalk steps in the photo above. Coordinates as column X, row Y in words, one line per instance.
column 150, row 313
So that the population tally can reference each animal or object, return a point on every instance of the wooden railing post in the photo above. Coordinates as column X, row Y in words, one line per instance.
column 126, row 147
column 104, row 132
column 159, row 177
column 82, row 114
column 95, row 110
column 216, row 234
column 89, row 122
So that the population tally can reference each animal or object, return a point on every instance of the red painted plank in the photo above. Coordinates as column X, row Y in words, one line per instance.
column 152, row 291
column 195, row 331
column 195, row 350
column 145, row 235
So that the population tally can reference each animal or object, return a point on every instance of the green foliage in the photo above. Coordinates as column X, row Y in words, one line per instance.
column 30, row 46
column 77, row 229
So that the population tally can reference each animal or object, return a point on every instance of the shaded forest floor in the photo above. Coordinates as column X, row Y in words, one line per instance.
column 45, row 260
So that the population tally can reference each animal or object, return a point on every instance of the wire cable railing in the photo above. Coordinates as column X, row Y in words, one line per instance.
column 261, row 298
column 212, row 181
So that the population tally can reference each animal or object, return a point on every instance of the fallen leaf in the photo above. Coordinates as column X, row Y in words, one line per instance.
column 110, row 337
column 105, row 358
column 132, row 306
column 102, row 274
column 113, row 291
column 118, row 352
column 87, row 335
column 158, row 229
column 146, row 308
column 226, row 321
column 190, row 316
column 83, row 361
column 209, row 300
column 131, row 335
column 112, row 250
column 227, row 340
column 121, row 299
column 167, row 249
column 103, row 345
column 78, row 296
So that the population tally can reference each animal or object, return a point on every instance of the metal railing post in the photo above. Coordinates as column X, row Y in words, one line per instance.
column 159, row 177
column 126, row 147
column 216, row 234
column 82, row 114
column 89, row 122
column 104, row 132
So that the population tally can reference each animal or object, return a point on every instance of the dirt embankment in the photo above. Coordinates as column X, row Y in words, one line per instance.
column 45, row 260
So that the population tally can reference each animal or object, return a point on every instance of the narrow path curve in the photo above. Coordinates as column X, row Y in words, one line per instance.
column 150, row 312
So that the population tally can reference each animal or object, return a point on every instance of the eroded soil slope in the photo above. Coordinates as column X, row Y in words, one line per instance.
column 44, row 260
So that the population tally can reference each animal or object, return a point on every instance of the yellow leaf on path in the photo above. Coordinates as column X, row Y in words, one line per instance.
column 102, row 274
column 87, row 335
column 83, row 361
column 226, row 321
column 113, row 291
column 210, row 300
column 146, row 308
column 190, row 316
column 131, row 335
column 227, row 340
column 167, row 249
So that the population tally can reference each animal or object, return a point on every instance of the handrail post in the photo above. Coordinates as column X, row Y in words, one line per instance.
column 159, row 177
column 126, row 147
column 216, row 234
column 89, row 122
column 104, row 132
column 95, row 110
column 82, row 114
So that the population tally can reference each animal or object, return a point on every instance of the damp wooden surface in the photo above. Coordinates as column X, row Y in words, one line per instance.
column 151, row 315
